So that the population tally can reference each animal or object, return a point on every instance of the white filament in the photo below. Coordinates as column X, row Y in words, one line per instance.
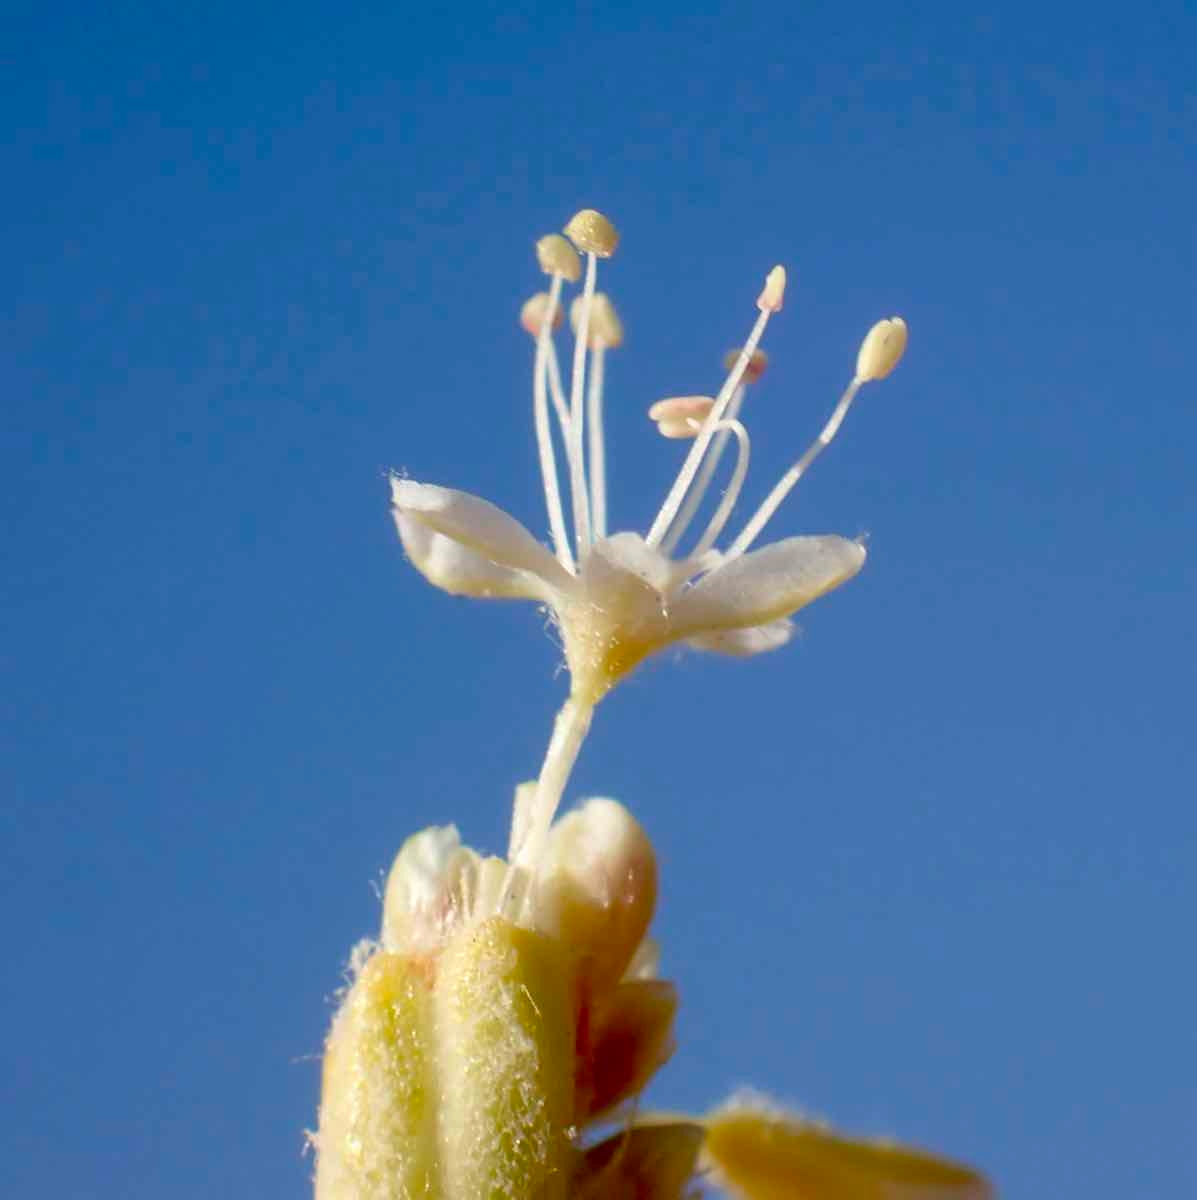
column 544, row 437
column 786, row 483
column 677, row 493
column 577, row 467
column 694, row 497
column 596, row 445
column 719, row 518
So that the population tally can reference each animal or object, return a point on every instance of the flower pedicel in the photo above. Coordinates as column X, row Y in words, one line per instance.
column 511, row 1004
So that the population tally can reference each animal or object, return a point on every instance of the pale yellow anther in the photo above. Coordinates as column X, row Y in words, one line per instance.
column 606, row 329
column 592, row 233
column 533, row 313
column 681, row 416
column 881, row 350
column 774, row 292
column 557, row 257
column 756, row 364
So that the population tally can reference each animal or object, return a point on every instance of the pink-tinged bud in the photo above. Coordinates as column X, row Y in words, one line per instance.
column 435, row 885
column 774, row 292
column 592, row 233
column 631, row 1037
column 756, row 364
column 598, row 888
column 532, row 313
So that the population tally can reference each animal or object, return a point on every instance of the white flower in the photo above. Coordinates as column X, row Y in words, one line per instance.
column 627, row 598
column 619, row 597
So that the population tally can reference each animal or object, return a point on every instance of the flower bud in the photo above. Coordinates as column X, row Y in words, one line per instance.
column 557, row 257
column 504, row 1024
column 532, row 313
column 436, row 885
column 592, row 233
column 377, row 1134
column 881, row 350
column 450, row 1075
column 598, row 888
column 632, row 1036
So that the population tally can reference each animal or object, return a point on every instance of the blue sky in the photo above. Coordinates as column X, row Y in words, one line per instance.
column 929, row 872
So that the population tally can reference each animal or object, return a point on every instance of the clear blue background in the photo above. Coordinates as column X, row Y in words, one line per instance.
column 928, row 872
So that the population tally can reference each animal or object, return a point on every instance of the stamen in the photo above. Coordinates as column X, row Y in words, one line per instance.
column 606, row 329
column 597, row 446
column 592, row 233
column 768, row 302
column 606, row 333
column 732, row 494
column 881, row 350
column 707, row 472
column 755, row 369
column 774, row 292
column 681, row 416
column 557, row 257
column 557, row 392
column 532, row 314
column 577, row 469
column 879, row 353
column 544, row 437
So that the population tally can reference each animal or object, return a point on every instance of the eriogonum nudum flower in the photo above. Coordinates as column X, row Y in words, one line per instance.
column 619, row 597
column 512, row 1005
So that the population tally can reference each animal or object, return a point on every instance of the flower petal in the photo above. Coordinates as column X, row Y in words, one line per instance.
column 766, row 585
column 461, row 571
column 743, row 643
column 478, row 525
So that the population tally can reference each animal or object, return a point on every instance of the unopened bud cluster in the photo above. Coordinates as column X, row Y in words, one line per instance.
column 471, row 1047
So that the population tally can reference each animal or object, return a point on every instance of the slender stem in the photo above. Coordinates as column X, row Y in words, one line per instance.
column 577, row 466
column 597, row 447
column 569, row 732
column 677, row 493
column 544, row 436
column 703, row 481
column 786, row 483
